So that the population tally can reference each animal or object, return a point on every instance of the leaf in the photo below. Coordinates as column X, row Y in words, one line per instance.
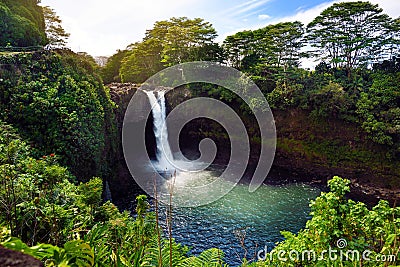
column 79, row 252
column 211, row 257
column 16, row 244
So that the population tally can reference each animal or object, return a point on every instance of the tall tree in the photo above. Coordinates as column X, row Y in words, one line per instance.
column 282, row 44
column 351, row 34
column 168, row 43
column 56, row 35
column 183, row 39
column 142, row 61
column 239, row 46
column 276, row 45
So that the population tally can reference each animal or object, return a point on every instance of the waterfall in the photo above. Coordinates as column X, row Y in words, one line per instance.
column 164, row 153
column 107, row 192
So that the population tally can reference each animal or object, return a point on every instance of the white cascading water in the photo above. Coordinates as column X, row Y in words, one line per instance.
column 185, row 172
column 164, row 153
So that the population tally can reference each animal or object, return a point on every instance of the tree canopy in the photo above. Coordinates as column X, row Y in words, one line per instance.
column 56, row 35
column 168, row 43
column 21, row 23
column 351, row 34
column 110, row 71
column 276, row 45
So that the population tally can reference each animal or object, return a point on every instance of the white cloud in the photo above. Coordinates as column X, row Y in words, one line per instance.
column 305, row 15
column 264, row 16
column 390, row 7
column 100, row 27
column 245, row 7
column 250, row 7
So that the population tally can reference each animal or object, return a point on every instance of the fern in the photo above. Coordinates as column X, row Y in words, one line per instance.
column 209, row 258
column 151, row 254
column 78, row 254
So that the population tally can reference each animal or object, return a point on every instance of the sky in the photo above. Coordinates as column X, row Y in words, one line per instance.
column 101, row 27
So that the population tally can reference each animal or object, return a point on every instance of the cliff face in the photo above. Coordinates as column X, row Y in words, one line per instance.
column 322, row 148
column 308, row 149
column 122, row 184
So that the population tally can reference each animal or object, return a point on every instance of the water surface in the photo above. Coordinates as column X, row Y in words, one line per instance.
column 258, row 217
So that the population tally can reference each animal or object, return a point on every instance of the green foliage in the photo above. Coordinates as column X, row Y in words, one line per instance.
column 274, row 46
column 208, row 258
column 75, row 253
column 284, row 95
column 389, row 66
column 39, row 204
column 91, row 192
column 183, row 39
column 110, row 72
column 168, row 43
column 38, row 201
column 21, row 23
column 348, row 36
column 59, row 103
column 351, row 34
column 336, row 218
column 379, row 110
column 142, row 61
column 330, row 100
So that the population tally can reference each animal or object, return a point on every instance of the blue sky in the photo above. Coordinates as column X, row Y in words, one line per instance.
column 100, row 27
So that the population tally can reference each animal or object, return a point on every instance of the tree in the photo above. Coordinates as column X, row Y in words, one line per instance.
column 378, row 108
column 143, row 60
column 58, row 101
column 56, row 35
column 21, row 23
column 110, row 72
column 276, row 46
column 237, row 47
column 183, row 38
column 352, row 34
column 168, row 43
column 282, row 43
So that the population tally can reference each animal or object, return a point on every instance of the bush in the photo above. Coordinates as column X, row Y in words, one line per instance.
column 340, row 225
column 58, row 102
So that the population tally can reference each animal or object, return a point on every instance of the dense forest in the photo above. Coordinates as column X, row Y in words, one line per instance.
column 22, row 23
column 59, row 138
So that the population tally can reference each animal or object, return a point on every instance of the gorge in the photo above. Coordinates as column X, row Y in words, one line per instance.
column 298, row 158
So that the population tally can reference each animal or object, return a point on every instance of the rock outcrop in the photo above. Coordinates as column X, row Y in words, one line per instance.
column 11, row 258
